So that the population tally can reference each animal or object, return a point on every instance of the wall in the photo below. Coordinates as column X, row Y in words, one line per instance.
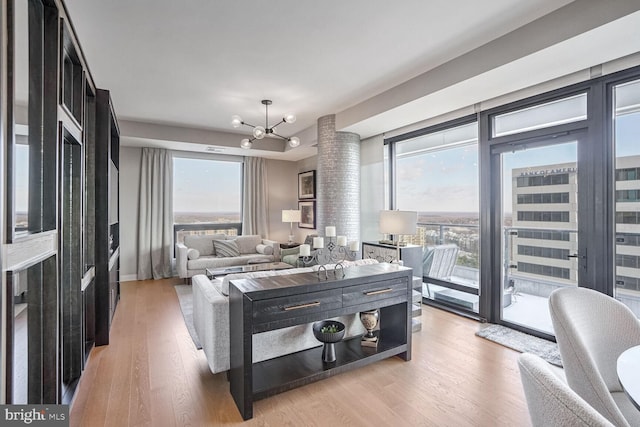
column 283, row 194
column 129, row 195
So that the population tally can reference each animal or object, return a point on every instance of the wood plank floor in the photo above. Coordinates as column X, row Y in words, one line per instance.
column 152, row 375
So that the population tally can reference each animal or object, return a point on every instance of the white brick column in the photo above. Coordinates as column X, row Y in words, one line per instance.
column 338, row 175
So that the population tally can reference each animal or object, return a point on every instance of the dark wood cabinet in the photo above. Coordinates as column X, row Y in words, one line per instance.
column 107, row 237
column 58, row 258
column 260, row 305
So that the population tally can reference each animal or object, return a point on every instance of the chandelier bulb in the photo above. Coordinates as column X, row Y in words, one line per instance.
column 236, row 121
column 289, row 118
column 294, row 141
column 259, row 132
column 246, row 144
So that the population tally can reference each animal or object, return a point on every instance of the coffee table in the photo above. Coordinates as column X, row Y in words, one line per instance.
column 263, row 266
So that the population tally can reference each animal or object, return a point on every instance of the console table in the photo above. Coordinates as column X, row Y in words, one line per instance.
column 264, row 304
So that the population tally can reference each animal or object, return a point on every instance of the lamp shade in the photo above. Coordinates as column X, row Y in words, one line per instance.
column 291, row 216
column 398, row 222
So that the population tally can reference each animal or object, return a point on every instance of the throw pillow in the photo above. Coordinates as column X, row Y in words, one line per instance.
column 213, row 247
column 264, row 249
column 226, row 248
column 193, row 254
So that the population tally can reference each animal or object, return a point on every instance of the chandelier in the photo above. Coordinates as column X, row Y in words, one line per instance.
column 260, row 132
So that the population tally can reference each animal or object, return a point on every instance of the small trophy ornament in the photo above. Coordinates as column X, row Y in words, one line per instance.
column 369, row 320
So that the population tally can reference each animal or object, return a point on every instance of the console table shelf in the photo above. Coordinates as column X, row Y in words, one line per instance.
column 284, row 373
column 264, row 304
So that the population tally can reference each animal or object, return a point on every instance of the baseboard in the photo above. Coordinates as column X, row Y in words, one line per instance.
column 128, row 277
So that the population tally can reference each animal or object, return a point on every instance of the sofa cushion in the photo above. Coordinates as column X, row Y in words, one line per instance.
column 193, row 253
column 226, row 248
column 257, row 274
column 202, row 242
column 247, row 244
column 264, row 249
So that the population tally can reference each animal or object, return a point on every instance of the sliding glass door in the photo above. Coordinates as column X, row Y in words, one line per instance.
column 542, row 204
column 539, row 228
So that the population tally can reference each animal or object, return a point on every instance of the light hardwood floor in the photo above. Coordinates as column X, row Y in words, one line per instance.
column 152, row 375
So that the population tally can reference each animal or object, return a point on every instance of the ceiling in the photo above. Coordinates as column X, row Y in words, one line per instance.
column 184, row 68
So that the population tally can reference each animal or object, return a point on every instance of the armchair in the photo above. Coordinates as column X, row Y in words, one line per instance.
column 290, row 256
column 592, row 330
column 550, row 400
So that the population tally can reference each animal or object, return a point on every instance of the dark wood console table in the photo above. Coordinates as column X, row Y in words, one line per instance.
column 259, row 305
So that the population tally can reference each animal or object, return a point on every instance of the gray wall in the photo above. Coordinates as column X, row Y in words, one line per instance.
column 283, row 192
column 129, row 196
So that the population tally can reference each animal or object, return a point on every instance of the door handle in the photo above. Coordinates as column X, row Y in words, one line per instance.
column 576, row 256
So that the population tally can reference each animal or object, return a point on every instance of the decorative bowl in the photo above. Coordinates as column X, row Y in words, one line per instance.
column 328, row 338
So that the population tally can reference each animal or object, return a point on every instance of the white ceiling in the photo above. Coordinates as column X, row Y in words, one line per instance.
column 192, row 64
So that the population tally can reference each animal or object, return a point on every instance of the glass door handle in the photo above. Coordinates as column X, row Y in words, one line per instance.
column 576, row 256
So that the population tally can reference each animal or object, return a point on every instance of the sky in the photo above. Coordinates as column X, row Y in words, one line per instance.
column 439, row 181
column 206, row 186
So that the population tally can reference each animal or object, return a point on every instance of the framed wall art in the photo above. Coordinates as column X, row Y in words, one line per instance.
column 307, row 214
column 307, row 185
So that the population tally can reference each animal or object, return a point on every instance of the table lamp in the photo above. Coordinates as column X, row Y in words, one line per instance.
column 291, row 216
column 397, row 223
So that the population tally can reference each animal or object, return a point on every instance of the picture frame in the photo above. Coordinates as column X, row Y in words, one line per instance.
column 307, row 185
column 307, row 214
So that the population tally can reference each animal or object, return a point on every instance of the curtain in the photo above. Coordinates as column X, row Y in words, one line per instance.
column 155, row 220
column 254, row 197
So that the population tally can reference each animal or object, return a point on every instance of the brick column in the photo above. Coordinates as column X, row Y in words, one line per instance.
column 338, row 180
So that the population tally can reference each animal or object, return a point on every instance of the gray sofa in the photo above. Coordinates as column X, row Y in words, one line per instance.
column 211, row 321
column 198, row 252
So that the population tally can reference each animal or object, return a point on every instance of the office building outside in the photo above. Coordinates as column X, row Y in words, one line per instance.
column 544, row 227
column 545, row 222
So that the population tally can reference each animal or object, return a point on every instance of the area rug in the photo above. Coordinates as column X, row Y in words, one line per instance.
column 185, row 297
column 522, row 342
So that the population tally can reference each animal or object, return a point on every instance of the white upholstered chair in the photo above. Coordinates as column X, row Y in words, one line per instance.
column 592, row 330
column 550, row 400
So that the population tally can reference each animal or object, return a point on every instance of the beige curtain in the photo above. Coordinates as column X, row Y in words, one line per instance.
column 155, row 220
column 254, row 197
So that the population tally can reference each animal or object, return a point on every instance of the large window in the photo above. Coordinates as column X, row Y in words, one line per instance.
column 207, row 196
column 541, row 170
column 437, row 176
